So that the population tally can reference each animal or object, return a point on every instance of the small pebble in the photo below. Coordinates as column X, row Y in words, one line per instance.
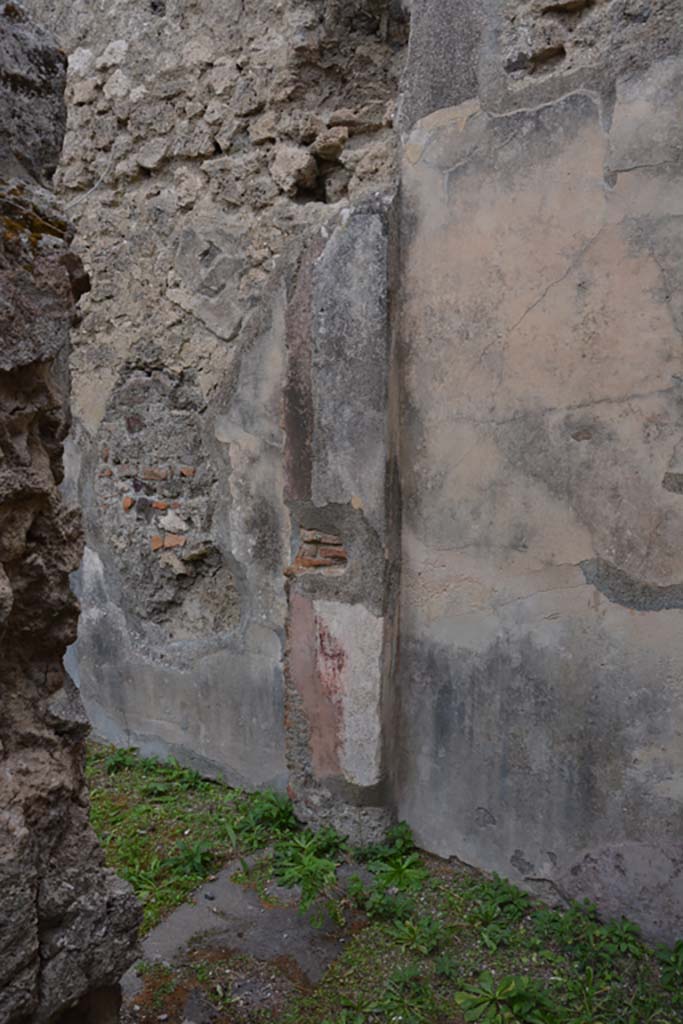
column 209, row 896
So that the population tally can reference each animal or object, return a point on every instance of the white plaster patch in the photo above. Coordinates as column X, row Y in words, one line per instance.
column 92, row 579
column 357, row 635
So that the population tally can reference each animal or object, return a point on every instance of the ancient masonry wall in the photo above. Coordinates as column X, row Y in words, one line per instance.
column 199, row 150
column 377, row 418
column 67, row 925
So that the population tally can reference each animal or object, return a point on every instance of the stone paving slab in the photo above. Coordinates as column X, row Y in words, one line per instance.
column 226, row 915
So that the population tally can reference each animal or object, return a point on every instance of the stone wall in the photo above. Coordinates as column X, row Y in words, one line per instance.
column 201, row 154
column 67, row 925
column 381, row 485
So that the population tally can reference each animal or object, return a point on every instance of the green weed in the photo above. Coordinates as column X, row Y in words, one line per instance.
column 407, row 999
column 423, row 935
column 310, row 860
column 671, row 961
column 510, row 1000
column 378, row 903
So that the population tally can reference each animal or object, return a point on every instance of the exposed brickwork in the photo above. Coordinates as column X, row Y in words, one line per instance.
column 155, row 489
column 319, row 552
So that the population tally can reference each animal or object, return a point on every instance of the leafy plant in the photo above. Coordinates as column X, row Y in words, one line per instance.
column 496, row 899
column 402, row 871
column 620, row 938
column 574, row 929
column 512, row 999
column 144, row 876
column 407, row 977
column 185, row 778
column 494, row 936
column 268, row 814
column 157, row 790
column 446, row 968
column 586, row 994
column 226, row 831
column 397, row 869
column 579, row 933
column 395, row 863
column 671, row 961
column 120, row 760
column 355, row 1011
column 423, row 935
column 191, row 858
column 348, row 1017
column 220, row 997
column 309, row 859
column 378, row 903
column 398, row 842
column 407, row 998
column 160, row 981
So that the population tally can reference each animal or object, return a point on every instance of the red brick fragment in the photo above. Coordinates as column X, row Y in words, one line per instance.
column 316, row 537
column 174, row 540
column 157, row 542
column 154, row 473
column 128, row 504
column 338, row 554
column 160, row 506
column 187, row 471
column 312, row 556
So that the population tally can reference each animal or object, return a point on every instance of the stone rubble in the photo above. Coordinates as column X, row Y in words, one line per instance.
column 67, row 925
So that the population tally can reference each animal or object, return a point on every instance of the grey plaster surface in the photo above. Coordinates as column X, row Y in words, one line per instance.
column 540, row 654
column 227, row 916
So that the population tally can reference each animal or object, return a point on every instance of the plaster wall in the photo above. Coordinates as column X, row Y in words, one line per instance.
column 541, row 732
